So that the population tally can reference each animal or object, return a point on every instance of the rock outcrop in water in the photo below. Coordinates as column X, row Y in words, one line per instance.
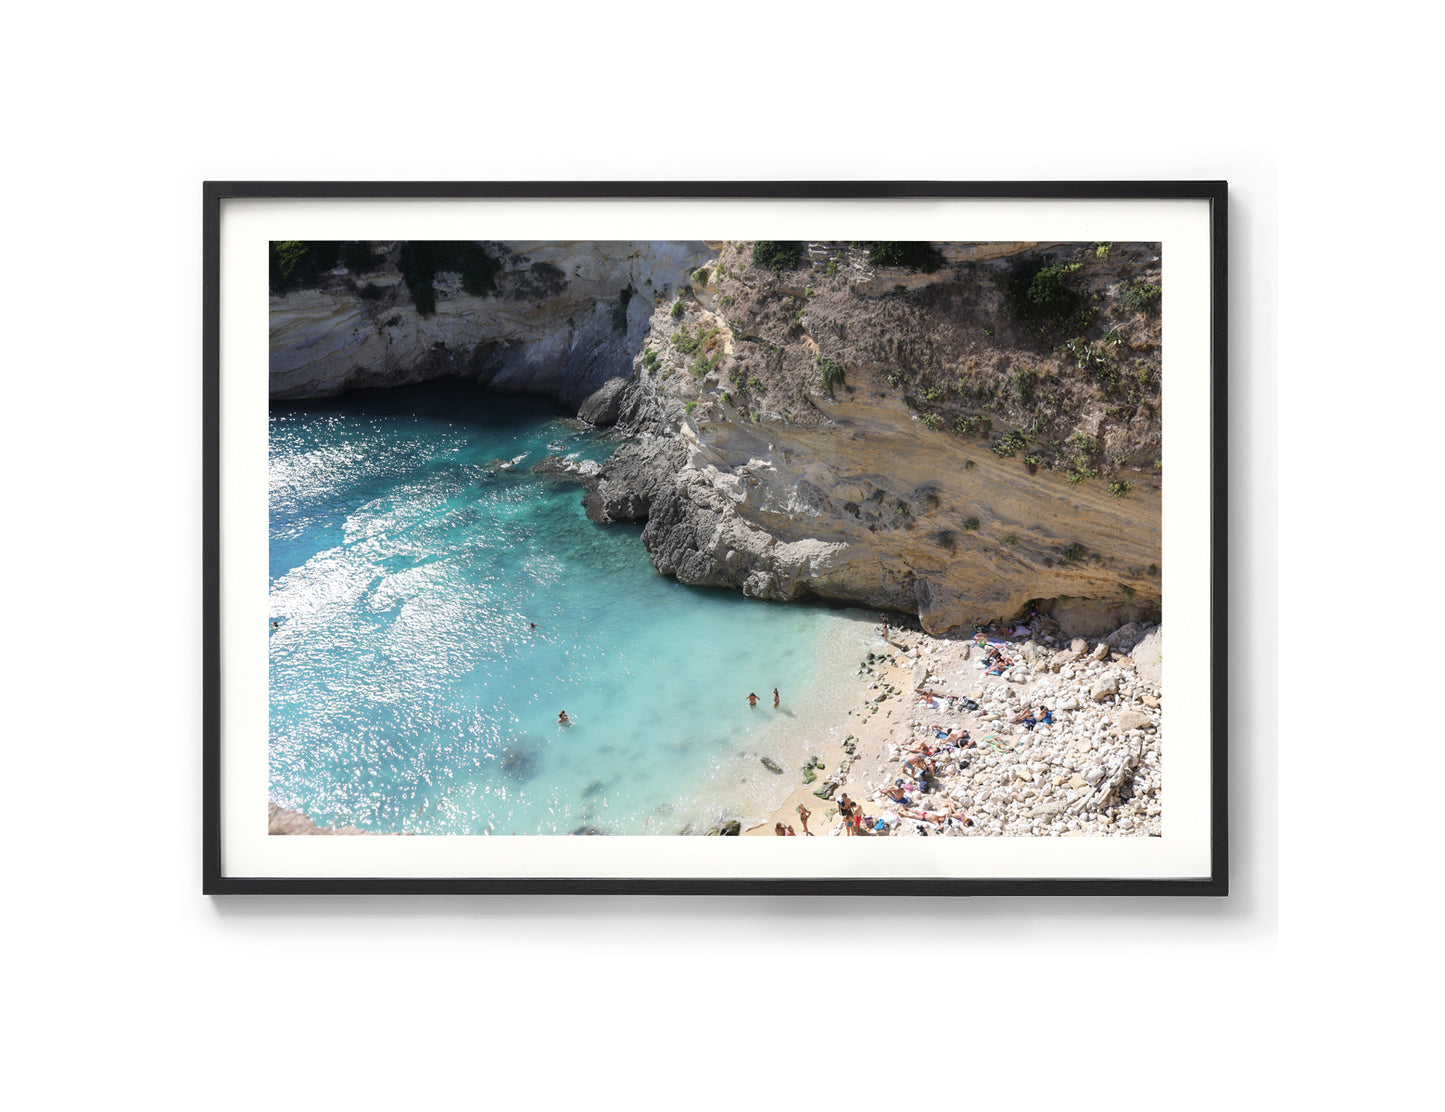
column 971, row 429
column 283, row 821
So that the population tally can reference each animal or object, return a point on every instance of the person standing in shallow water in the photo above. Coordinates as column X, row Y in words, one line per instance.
column 563, row 720
column 752, row 699
column 775, row 698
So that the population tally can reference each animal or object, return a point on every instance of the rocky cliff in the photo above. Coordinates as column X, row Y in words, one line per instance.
column 565, row 319
column 950, row 430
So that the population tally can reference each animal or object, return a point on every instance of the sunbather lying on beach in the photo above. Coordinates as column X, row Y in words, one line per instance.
column 1031, row 718
column 996, row 663
column 938, row 818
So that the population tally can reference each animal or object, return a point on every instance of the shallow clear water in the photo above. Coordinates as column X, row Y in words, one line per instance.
column 409, row 689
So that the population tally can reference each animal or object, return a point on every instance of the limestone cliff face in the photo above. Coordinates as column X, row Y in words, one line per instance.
column 961, row 466
column 871, row 507
column 887, row 436
column 361, row 330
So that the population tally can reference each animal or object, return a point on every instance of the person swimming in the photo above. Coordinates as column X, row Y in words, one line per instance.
column 563, row 720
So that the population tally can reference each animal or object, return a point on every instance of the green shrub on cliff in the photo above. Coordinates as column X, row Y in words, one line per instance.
column 914, row 255
column 357, row 257
column 830, row 373
column 1009, row 444
column 421, row 260
column 619, row 311
column 1139, row 296
column 1023, row 385
column 299, row 263
column 777, row 255
column 1044, row 295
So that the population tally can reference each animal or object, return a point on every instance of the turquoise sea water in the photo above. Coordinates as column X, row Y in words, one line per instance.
column 412, row 551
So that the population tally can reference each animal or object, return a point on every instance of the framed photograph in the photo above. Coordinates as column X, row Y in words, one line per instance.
column 741, row 538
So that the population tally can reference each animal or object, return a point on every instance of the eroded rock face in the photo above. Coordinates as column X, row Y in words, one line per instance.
column 871, row 508
column 565, row 344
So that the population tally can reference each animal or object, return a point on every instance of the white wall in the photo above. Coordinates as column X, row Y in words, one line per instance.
column 124, row 980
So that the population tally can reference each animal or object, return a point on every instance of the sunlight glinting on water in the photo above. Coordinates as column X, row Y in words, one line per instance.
column 412, row 553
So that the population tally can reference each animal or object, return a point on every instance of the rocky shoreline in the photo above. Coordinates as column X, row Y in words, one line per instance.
column 1096, row 770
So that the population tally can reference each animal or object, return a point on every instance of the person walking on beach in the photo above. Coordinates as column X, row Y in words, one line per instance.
column 775, row 698
column 752, row 699
column 805, row 815
column 884, row 619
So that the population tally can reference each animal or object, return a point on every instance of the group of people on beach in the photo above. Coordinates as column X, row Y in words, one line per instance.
column 921, row 762
column 856, row 822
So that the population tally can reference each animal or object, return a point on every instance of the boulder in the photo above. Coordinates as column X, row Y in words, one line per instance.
column 730, row 829
column 1148, row 657
column 1123, row 639
column 600, row 407
column 1105, row 686
column 1133, row 720
column 771, row 765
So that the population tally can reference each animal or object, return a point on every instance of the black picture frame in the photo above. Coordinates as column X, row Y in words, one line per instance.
column 217, row 195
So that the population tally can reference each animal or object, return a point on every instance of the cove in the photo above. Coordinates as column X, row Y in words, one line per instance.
column 437, row 605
